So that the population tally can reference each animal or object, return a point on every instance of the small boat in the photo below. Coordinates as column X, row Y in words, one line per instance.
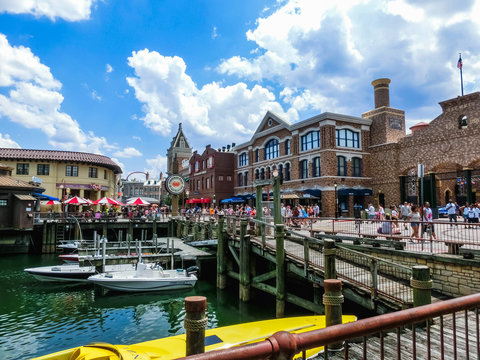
column 219, row 338
column 71, row 273
column 147, row 277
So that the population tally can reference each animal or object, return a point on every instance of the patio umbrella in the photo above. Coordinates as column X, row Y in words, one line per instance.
column 88, row 201
column 50, row 202
column 106, row 201
column 75, row 201
column 138, row 202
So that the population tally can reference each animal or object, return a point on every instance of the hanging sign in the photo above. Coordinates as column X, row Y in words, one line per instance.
column 175, row 184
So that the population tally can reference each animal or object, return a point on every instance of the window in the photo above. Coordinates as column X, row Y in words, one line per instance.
column 198, row 185
column 287, row 172
column 92, row 172
column 197, row 166
column 229, row 178
column 207, row 183
column 243, row 159
column 310, row 141
column 220, row 177
column 357, row 167
column 262, row 174
column 348, row 138
column 316, row 167
column 280, row 171
column 245, row 178
column 257, row 174
column 240, row 179
column 341, row 166
column 22, row 169
column 271, row 149
column 212, row 181
column 3, row 202
column 462, row 122
column 304, row 169
column 71, row 170
column 257, row 155
column 105, row 174
column 210, row 162
column 43, row 169
column 287, row 147
column 204, row 164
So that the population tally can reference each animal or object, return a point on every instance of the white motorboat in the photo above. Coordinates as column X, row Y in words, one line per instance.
column 147, row 277
column 71, row 273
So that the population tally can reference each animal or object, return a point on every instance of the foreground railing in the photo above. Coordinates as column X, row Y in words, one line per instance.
column 444, row 330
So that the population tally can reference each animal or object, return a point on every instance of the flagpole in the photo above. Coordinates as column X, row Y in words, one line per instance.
column 461, row 72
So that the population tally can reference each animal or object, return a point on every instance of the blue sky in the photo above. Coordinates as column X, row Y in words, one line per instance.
column 116, row 77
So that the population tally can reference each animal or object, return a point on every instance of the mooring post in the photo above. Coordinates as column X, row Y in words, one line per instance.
column 195, row 323
column 317, row 296
column 422, row 285
column 221, row 254
column 333, row 300
column 53, row 238
column 244, row 290
column 329, row 253
column 44, row 236
column 104, row 234
column 280, row 259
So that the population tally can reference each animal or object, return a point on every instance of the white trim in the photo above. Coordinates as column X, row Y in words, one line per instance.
column 327, row 122
column 355, row 130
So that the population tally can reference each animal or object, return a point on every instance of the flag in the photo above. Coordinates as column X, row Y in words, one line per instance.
column 460, row 63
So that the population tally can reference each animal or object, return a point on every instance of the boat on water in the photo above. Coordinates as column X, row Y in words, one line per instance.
column 71, row 273
column 219, row 338
column 147, row 277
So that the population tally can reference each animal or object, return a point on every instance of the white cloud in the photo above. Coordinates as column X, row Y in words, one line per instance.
column 95, row 95
column 70, row 10
column 157, row 165
column 128, row 152
column 119, row 163
column 214, row 32
column 108, row 68
column 213, row 112
column 138, row 138
column 7, row 142
column 32, row 99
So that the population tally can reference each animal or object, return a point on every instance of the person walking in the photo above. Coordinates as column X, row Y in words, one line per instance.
column 415, row 219
column 405, row 212
column 428, row 220
column 452, row 212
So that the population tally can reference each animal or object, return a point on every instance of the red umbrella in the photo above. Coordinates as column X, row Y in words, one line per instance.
column 75, row 201
column 106, row 201
column 50, row 202
column 138, row 201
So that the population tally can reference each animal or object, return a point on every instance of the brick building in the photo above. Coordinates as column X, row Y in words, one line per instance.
column 338, row 160
column 210, row 176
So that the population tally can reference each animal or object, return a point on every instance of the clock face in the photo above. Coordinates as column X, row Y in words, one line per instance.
column 396, row 124
column 175, row 184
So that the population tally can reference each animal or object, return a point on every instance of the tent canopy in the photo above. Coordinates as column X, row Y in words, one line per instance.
column 232, row 200
column 45, row 197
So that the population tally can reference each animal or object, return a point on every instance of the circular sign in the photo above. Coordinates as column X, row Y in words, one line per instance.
column 175, row 184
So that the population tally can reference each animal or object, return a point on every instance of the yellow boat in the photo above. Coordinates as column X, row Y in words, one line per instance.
column 219, row 338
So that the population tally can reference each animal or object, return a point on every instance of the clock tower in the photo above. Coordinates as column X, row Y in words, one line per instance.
column 388, row 124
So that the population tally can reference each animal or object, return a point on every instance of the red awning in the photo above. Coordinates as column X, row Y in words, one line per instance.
column 198, row 201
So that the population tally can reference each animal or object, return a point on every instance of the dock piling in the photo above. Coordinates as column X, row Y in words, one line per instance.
column 244, row 291
column 333, row 300
column 422, row 285
column 329, row 253
column 195, row 323
column 221, row 254
column 281, row 273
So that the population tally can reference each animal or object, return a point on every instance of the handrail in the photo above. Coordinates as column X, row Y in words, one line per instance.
column 284, row 344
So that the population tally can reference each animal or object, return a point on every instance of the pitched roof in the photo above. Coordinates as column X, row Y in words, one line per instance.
column 7, row 181
column 56, row 155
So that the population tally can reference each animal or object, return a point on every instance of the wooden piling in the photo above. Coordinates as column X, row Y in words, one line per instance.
column 45, row 236
column 333, row 300
column 329, row 253
column 104, row 231
column 281, row 273
column 195, row 323
column 422, row 285
column 221, row 254
column 244, row 290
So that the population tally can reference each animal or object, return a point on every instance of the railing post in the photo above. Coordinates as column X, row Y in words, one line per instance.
column 333, row 300
column 154, row 227
column 329, row 253
column 374, row 273
column 244, row 291
column 221, row 254
column 280, row 260
column 306, row 256
column 422, row 285
column 263, row 232
column 195, row 323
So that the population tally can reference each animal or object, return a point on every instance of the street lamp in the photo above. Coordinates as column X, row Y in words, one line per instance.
column 336, row 199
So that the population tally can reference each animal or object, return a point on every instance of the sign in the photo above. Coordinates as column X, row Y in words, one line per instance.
column 396, row 124
column 263, row 182
column 420, row 170
column 175, row 184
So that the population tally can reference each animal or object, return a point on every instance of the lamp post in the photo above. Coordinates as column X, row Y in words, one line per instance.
column 277, row 213
column 336, row 199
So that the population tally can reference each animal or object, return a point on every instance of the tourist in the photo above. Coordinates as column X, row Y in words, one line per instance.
column 371, row 212
column 283, row 212
column 386, row 227
column 316, row 210
column 464, row 209
column 428, row 221
column 415, row 219
column 452, row 212
column 405, row 212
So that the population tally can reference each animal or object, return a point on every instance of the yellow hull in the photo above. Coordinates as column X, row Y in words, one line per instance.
column 174, row 347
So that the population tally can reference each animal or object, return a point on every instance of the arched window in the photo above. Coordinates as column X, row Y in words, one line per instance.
column 304, row 169
column 316, row 166
column 280, row 171
column 257, row 155
column 207, row 182
column 287, row 172
column 262, row 174
column 341, row 166
column 348, row 138
column 310, row 140
column 356, row 167
column 243, row 159
column 245, row 178
column 271, row 149
column 257, row 174
column 287, row 147
column 240, row 179
column 462, row 122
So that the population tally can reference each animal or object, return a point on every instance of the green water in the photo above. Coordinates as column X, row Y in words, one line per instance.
column 37, row 318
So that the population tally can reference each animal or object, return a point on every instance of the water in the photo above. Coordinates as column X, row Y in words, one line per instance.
column 37, row 318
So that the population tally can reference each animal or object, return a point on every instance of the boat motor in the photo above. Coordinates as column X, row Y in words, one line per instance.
column 193, row 270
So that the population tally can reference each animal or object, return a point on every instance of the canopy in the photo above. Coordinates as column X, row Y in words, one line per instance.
column 75, row 201
column 198, row 201
column 138, row 201
column 50, row 202
column 45, row 197
column 106, row 201
column 232, row 200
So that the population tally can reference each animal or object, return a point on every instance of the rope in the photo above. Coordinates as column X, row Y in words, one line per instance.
column 333, row 299
column 329, row 251
column 421, row 284
column 195, row 325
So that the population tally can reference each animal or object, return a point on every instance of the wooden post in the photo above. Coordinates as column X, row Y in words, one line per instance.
column 422, row 285
column 53, row 238
column 154, row 228
column 195, row 323
column 329, row 252
column 244, row 290
column 221, row 254
column 46, row 225
column 259, row 207
column 280, row 280
column 104, row 234
column 317, row 295
column 130, row 232
column 333, row 300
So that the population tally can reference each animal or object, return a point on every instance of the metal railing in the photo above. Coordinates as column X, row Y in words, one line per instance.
column 444, row 330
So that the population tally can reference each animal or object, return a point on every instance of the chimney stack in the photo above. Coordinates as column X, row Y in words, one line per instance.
column 381, row 91
column 223, row 148
column 228, row 147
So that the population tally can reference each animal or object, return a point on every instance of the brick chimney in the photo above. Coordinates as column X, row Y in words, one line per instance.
column 381, row 91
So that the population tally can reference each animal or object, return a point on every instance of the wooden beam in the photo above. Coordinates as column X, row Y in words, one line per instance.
column 264, row 277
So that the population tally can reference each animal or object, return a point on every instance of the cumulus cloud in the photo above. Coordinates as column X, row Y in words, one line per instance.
column 108, row 68
column 119, row 163
column 127, row 153
column 69, row 10
column 32, row 99
column 95, row 95
column 7, row 142
column 157, row 165
column 213, row 112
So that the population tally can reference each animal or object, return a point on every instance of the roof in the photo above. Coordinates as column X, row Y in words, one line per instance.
column 56, row 155
column 7, row 181
column 24, row 197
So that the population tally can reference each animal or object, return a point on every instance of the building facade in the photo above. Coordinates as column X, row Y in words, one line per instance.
column 210, row 176
column 65, row 173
